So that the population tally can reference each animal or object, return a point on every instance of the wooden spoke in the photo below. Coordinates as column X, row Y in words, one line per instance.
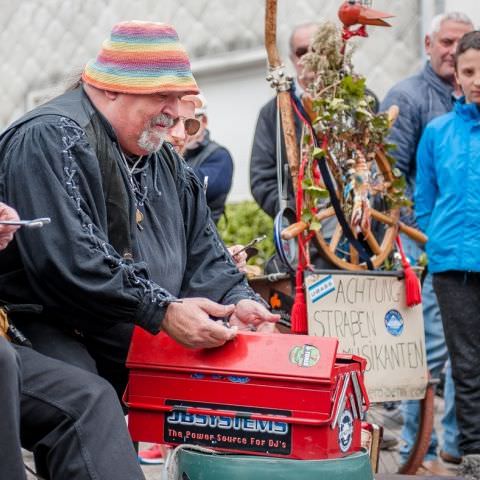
column 324, row 214
column 372, row 242
column 354, row 255
column 384, row 166
column 337, row 235
column 293, row 230
column 413, row 233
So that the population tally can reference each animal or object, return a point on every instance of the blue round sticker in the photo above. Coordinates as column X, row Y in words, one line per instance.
column 394, row 323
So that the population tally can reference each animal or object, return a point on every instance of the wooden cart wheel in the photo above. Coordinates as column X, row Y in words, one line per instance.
column 338, row 251
column 389, row 218
column 334, row 249
column 335, row 252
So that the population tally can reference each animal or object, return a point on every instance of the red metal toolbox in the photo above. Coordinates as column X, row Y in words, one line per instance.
column 289, row 396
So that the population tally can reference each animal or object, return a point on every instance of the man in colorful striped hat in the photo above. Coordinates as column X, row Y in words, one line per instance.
column 131, row 241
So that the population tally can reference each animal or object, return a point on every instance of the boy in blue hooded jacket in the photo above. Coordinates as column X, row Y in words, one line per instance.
column 447, row 202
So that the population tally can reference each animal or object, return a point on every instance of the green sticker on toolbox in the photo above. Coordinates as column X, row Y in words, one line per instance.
column 305, row 355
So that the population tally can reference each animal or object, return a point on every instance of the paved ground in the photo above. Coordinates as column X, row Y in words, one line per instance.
column 389, row 460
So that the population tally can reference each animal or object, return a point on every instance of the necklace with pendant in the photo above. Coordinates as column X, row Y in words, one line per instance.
column 138, row 214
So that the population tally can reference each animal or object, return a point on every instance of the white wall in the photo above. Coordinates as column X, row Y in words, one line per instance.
column 234, row 98
column 470, row 7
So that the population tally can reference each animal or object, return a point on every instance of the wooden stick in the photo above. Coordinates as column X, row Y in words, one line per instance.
column 324, row 214
column 293, row 230
column 372, row 242
column 337, row 235
column 384, row 165
column 286, row 111
column 354, row 258
column 413, row 233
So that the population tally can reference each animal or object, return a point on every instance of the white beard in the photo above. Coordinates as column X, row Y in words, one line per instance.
column 151, row 140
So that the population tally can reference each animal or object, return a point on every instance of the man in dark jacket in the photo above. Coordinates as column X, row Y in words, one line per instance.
column 421, row 98
column 131, row 241
column 211, row 162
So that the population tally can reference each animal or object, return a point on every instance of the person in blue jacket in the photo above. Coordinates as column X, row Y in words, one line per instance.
column 429, row 93
column 447, row 206
column 211, row 162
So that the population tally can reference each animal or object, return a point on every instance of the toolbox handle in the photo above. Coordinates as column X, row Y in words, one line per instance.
column 228, row 413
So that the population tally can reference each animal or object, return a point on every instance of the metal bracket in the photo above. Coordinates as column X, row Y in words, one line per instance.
column 358, row 395
column 353, row 406
column 278, row 80
column 341, row 400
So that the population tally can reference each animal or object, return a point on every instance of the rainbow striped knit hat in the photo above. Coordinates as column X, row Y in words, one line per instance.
column 141, row 58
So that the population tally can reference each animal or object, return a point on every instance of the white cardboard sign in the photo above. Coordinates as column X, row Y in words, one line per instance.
column 368, row 315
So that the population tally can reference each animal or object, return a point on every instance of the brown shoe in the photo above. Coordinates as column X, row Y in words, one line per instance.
column 435, row 468
column 446, row 457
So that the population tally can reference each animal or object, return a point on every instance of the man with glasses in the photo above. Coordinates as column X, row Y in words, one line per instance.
column 211, row 162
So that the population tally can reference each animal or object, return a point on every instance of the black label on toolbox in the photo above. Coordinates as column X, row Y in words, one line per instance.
column 240, row 432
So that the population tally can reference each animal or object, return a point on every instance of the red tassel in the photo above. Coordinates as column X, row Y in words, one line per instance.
column 299, row 311
column 413, row 294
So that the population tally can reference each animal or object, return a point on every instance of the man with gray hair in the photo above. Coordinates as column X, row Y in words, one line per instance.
column 422, row 97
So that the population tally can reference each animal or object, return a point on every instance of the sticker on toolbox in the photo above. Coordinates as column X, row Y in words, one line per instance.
column 322, row 287
column 304, row 355
column 236, row 433
column 230, row 378
column 345, row 431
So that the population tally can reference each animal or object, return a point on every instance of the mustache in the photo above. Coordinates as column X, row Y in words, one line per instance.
column 162, row 120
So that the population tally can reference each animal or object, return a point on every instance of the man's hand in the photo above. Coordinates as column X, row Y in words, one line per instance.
column 190, row 323
column 249, row 313
column 7, row 231
column 239, row 256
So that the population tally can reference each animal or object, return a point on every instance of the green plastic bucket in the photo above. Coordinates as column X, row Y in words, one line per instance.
column 194, row 465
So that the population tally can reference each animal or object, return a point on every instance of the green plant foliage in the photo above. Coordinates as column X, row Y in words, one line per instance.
column 243, row 222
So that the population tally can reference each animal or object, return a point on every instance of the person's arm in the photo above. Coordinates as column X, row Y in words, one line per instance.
column 263, row 162
column 51, row 171
column 426, row 182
